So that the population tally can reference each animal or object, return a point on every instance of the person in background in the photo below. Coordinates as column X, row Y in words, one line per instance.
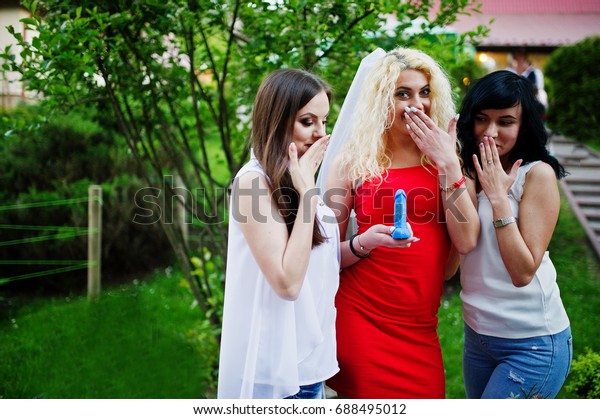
column 522, row 66
column 278, row 333
column 390, row 289
column 517, row 336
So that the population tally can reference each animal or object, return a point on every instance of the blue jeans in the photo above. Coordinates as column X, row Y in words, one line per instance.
column 310, row 391
column 499, row 368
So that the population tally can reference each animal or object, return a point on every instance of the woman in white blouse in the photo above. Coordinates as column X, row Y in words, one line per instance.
column 517, row 334
column 278, row 335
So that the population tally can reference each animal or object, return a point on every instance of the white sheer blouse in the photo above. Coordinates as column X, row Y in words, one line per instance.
column 271, row 346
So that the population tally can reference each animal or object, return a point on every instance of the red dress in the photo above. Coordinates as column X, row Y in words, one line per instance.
column 387, row 304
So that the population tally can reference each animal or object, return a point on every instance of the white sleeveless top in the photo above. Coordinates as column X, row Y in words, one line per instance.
column 492, row 305
column 271, row 346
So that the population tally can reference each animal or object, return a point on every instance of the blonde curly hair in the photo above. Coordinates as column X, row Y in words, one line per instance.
column 365, row 157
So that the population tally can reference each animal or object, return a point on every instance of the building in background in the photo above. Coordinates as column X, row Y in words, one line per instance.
column 11, row 90
column 537, row 26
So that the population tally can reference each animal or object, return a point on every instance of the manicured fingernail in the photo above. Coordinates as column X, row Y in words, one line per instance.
column 407, row 109
column 412, row 108
column 407, row 126
column 457, row 116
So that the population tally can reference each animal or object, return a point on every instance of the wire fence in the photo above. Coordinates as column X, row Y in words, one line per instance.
column 49, row 233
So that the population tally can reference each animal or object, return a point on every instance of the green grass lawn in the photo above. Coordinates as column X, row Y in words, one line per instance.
column 147, row 339
column 143, row 340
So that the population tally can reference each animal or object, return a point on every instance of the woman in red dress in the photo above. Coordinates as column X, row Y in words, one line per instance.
column 390, row 289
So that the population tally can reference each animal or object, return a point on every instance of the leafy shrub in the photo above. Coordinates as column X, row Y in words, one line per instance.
column 573, row 78
column 584, row 378
column 59, row 160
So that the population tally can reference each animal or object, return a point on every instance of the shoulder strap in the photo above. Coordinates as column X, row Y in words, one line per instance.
column 516, row 190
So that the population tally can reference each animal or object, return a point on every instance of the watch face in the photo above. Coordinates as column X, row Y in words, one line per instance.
column 501, row 222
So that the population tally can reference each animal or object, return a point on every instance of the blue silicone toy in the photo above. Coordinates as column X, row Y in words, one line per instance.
column 401, row 231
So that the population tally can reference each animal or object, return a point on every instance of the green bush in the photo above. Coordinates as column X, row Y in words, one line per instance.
column 57, row 160
column 573, row 83
column 584, row 378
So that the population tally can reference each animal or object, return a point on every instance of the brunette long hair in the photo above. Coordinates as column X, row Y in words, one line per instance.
column 280, row 96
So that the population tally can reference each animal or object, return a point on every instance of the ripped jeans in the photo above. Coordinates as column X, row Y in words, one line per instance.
column 310, row 391
column 500, row 368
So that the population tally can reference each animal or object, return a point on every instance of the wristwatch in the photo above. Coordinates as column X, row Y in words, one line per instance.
column 501, row 222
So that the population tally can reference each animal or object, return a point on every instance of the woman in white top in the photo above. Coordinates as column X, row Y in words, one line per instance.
column 517, row 334
column 278, row 335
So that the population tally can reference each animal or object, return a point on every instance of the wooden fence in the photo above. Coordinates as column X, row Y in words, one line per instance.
column 93, row 232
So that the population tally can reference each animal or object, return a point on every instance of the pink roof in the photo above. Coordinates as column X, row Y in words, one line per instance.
column 501, row 7
column 534, row 23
